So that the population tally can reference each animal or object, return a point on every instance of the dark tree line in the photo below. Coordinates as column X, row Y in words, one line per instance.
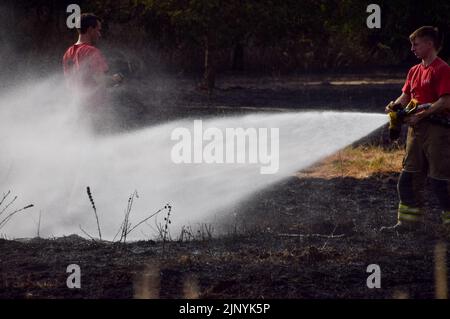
column 251, row 35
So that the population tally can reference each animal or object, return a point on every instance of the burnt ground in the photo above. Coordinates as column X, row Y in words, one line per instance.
column 302, row 238
column 162, row 99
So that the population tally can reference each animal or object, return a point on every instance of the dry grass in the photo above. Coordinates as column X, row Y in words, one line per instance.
column 357, row 162
column 147, row 284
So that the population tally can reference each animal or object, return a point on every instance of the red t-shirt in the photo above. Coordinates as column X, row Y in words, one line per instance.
column 428, row 84
column 81, row 63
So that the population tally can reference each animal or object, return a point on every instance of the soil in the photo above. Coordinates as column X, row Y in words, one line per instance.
column 306, row 237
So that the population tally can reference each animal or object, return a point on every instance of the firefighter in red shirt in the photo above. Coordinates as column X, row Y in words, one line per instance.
column 85, row 67
column 428, row 140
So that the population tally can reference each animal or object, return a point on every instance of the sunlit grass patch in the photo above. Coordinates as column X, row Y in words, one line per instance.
column 357, row 162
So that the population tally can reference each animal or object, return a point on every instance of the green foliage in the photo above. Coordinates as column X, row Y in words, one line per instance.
column 290, row 34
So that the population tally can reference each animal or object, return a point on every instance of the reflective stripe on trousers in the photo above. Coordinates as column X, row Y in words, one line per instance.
column 446, row 218
column 410, row 214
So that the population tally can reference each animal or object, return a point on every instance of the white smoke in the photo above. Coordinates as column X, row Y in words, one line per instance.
column 48, row 155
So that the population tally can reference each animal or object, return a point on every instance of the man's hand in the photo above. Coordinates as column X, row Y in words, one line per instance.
column 415, row 118
column 117, row 78
column 107, row 80
column 392, row 107
column 398, row 104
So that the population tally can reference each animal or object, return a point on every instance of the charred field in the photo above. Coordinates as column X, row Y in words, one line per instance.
column 310, row 236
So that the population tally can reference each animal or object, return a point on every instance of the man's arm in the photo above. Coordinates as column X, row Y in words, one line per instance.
column 403, row 100
column 100, row 70
column 442, row 104
column 107, row 80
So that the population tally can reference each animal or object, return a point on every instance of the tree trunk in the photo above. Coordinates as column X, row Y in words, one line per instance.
column 209, row 77
column 237, row 60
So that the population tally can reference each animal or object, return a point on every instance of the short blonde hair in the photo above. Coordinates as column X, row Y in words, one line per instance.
column 429, row 32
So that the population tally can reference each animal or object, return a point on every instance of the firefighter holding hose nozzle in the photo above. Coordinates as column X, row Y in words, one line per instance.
column 424, row 106
column 86, row 69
